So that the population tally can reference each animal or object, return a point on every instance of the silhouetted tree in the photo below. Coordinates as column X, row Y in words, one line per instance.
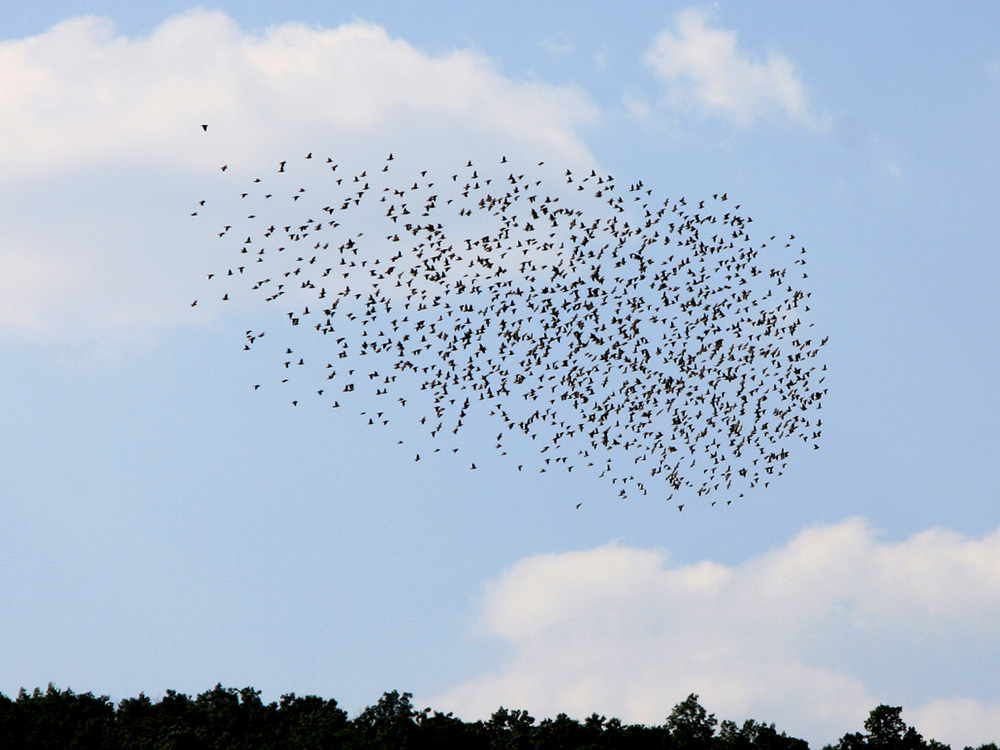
column 690, row 726
column 753, row 735
column 60, row 718
column 309, row 722
column 560, row 733
column 510, row 730
column 389, row 723
column 886, row 730
column 438, row 731
column 230, row 719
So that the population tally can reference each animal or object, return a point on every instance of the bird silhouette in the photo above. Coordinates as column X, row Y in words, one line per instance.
column 634, row 337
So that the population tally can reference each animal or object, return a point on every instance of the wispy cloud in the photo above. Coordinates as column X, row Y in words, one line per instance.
column 805, row 635
column 704, row 67
column 557, row 48
column 27, row 280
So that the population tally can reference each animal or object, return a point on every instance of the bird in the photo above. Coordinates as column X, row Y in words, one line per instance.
column 645, row 338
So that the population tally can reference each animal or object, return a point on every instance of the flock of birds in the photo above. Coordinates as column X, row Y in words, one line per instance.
column 636, row 337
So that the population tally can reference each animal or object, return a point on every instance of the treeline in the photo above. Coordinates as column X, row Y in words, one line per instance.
column 230, row 719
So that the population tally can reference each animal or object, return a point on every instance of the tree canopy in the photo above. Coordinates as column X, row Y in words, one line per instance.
column 225, row 718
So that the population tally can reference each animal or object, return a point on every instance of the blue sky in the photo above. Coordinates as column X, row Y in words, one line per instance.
column 165, row 526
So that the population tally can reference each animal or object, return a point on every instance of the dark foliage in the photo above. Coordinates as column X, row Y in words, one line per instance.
column 886, row 730
column 231, row 719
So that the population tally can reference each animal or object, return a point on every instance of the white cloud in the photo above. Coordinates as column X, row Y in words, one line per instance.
column 103, row 152
column 812, row 635
column 704, row 66
column 80, row 94
column 966, row 722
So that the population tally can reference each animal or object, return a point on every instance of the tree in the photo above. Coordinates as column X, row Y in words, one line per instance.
column 61, row 718
column 887, row 730
column 755, row 736
column 7, row 721
column 690, row 726
column 389, row 723
column 510, row 730
column 232, row 718
column 884, row 730
column 560, row 733
column 439, row 731
column 309, row 722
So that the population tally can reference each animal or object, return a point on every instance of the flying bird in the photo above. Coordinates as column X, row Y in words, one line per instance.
column 647, row 339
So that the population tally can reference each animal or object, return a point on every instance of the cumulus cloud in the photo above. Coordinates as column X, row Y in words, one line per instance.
column 812, row 635
column 704, row 67
column 103, row 154
column 78, row 93
column 966, row 722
